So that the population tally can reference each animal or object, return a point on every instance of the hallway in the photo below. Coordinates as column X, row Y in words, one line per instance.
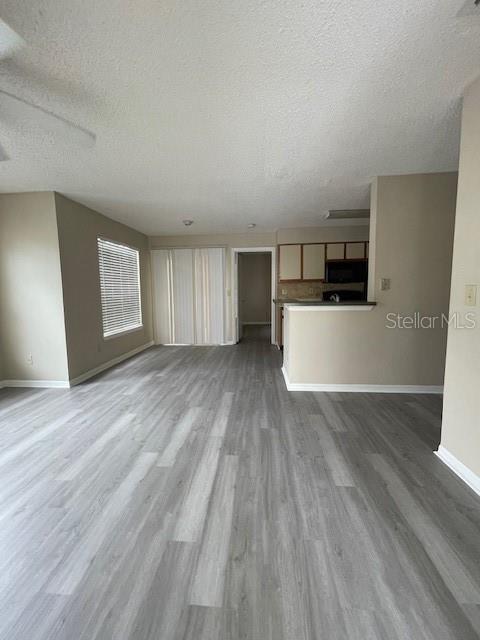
column 185, row 494
column 257, row 332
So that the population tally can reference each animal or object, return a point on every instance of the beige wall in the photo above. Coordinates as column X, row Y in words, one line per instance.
column 254, row 239
column 461, row 415
column 78, row 229
column 323, row 234
column 2, row 376
column 413, row 236
column 255, row 287
column 31, row 306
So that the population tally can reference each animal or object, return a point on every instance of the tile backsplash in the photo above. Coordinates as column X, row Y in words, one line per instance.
column 311, row 289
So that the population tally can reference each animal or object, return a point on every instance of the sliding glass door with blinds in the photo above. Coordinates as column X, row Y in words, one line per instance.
column 189, row 295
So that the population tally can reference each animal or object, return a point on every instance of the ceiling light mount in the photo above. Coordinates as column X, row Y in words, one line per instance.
column 252, row 225
column 187, row 223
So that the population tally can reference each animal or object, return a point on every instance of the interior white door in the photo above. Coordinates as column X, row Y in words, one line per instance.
column 183, row 296
column 209, row 296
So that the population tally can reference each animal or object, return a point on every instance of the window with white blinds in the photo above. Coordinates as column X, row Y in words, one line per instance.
column 119, row 268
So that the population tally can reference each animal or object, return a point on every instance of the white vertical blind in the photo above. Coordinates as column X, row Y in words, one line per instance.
column 119, row 268
column 216, row 279
column 201, row 296
column 209, row 296
column 182, row 289
column 189, row 295
column 162, row 300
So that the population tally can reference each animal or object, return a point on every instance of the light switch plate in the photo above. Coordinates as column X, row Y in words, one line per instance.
column 470, row 295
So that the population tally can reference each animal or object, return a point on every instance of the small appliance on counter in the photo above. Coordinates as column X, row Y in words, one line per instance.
column 343, row 295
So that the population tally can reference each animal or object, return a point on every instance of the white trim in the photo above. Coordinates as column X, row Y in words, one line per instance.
column 256, row 323
column 253, row 249
column 44, row 384
column 234, row 276
column 110, row 363
column 463, row 472
column 361, row 388
column 204, row 344
column 175, row 344
column 294, row 306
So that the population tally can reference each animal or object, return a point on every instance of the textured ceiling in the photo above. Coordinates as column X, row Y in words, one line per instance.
column 226, row 112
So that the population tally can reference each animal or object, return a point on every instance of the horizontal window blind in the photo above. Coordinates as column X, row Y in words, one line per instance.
column 119, row 268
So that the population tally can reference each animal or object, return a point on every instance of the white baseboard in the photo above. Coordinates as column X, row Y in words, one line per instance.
column 173, row 344
column 361, row 388
column 182, row 344
column 109, row 364
column 66, row 384
column 44, row 384
column 463, row 472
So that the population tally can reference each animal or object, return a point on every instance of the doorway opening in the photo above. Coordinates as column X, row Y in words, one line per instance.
column 254, row 276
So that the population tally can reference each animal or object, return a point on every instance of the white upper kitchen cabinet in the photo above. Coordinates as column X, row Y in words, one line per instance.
column 313, row 261
column 335, row 251
column 355, row 250
column 290, row 259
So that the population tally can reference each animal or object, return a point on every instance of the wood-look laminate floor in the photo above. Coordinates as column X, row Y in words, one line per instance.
column 186, row 494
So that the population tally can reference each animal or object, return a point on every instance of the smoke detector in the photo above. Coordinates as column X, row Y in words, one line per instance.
column 252, row 225
column 470, row 8
column 187, row 223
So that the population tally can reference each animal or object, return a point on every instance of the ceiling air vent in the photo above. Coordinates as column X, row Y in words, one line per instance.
column 348, row 214
column 470, row 8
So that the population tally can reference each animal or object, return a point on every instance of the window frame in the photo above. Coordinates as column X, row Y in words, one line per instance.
column 130, row 329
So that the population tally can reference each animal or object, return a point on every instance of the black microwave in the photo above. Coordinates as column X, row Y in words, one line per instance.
column 344, row 271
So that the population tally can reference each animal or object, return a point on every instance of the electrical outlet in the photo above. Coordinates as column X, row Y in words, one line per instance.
column 284, row 292
column 310, row 290
column 470, row 295
column 384, row 284
column 30, row 358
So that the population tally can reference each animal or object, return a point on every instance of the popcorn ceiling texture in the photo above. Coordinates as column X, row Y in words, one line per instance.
column 265, row 111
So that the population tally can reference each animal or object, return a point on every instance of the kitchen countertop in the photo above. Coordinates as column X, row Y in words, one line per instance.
column 317, row 302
